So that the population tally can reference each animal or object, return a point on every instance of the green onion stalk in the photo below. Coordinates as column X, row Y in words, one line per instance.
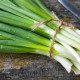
column 17, row 35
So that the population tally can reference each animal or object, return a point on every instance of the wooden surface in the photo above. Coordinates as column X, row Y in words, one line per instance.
column 36, row 67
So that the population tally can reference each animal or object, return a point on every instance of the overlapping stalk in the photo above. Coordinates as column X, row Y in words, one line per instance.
column 17, row 18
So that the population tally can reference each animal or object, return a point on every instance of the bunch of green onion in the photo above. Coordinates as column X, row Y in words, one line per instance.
column 17, row 36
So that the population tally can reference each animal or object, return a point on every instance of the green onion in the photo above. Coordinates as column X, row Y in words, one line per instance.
column 28, row 35
column 3, row 38
column 17, row 18
column 15, row 49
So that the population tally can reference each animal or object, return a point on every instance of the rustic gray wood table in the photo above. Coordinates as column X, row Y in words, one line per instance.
column 37, row 67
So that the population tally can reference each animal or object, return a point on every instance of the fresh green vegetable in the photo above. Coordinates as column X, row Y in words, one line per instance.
column 15, row 49
column 25, row 27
